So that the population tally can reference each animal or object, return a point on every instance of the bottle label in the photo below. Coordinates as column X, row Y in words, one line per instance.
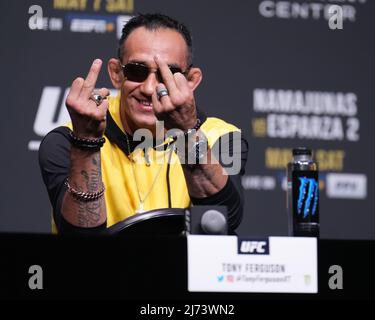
column 305, row 196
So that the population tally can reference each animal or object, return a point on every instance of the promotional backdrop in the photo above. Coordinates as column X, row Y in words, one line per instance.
column 274, row 68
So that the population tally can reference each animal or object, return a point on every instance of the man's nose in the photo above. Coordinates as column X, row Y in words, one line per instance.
column 149, row 85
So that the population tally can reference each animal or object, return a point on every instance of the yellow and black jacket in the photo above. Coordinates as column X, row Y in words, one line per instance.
column 121, row 194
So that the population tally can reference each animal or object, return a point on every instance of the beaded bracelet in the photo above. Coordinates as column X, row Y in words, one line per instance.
column 84, row 196
column 198, row 124
column 86, row 144
column 187, row 133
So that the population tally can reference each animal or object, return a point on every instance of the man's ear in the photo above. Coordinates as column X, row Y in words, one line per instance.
column 115, row 73
column 194, row 78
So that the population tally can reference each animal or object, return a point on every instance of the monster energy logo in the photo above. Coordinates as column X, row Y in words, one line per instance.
column 308, row 193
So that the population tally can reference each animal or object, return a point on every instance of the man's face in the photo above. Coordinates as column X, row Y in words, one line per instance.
column 142, row 46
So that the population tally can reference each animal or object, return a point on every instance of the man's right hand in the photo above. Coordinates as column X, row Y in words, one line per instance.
column 89, row 120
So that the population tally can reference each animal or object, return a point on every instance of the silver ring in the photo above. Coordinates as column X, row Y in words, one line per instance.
column 162, row 93
column 97, row 98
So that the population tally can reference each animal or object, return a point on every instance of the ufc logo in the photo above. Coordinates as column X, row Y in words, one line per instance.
column 253, row 246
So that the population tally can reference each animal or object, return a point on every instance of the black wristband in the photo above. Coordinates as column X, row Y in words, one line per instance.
column 188, row 132
column 198, row 124
column 86, row 144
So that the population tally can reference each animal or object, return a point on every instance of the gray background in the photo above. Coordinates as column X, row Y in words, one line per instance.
column 238, row 50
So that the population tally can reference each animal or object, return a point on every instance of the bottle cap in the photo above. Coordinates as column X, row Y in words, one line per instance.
column 301, row 151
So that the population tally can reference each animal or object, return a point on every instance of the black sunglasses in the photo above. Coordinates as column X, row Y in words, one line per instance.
column 138, row 72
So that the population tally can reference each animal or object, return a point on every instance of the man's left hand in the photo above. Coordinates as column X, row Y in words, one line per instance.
column 177, row 109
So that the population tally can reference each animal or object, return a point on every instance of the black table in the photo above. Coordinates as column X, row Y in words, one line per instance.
column 151, row 267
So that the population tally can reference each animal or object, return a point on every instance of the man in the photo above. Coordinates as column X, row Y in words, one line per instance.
column 93, row 185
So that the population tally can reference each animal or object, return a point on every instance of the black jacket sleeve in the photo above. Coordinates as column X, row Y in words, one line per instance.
column 231, row 195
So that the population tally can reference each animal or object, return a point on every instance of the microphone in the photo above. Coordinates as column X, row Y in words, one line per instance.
column 209, row 220
column 213, row 222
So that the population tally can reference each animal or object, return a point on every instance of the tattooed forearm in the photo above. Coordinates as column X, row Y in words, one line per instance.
column 88, row 213
column 205, row 180
column 204, row 176
column 94, row 183
column 81, row 214
column 85, row 176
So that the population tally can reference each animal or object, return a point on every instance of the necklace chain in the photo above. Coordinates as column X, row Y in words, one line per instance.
column 141, row 202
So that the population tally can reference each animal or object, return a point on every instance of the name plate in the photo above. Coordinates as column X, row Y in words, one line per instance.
column 234, row 264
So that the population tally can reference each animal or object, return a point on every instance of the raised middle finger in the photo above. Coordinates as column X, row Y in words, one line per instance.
column 92, row 77
column 167, row 75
